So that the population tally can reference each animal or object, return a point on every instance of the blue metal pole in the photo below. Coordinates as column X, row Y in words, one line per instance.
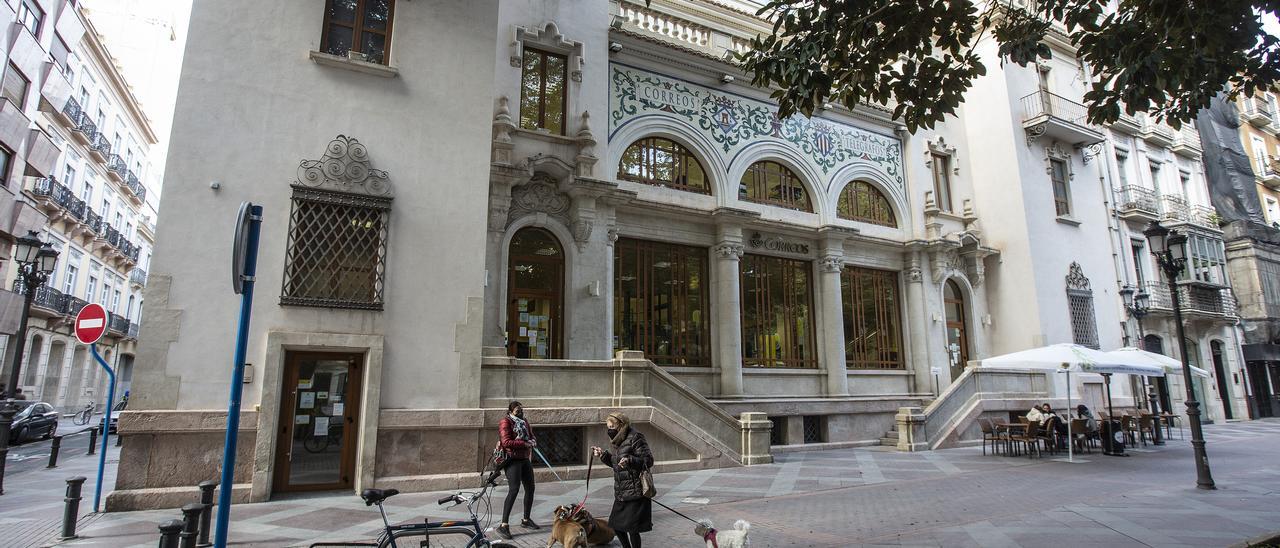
column 237, row 381
column 106, row 422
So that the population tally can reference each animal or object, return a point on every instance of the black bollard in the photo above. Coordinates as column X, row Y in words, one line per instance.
column 93, row 440
column 53, row 452
column 118, row 438
column 190, row 524
column 71, row 510
column 206, row 513
column 169, row 533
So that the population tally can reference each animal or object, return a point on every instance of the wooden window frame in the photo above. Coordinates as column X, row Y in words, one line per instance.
column 358, row 29
column 12, row 69
column 677, row 355
column 754, row 181
column 887, row 307
column 6, row 164
column 942, row 181
column 849, row 195
column 1061, row 202
column 683, row 158
column 962, row 322
column 764, row 301
column 543, row 55
column 33, row 7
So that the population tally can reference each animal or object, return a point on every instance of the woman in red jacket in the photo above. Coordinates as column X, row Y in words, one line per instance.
column 516, row 438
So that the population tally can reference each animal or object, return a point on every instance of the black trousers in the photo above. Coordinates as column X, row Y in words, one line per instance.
column 519, row 473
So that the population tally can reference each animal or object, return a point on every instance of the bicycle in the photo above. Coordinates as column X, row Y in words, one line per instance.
column 470, row 528
column 83, row 416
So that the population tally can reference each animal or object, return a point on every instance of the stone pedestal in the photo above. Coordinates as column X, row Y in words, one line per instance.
column 911, row 434
column 756, row 428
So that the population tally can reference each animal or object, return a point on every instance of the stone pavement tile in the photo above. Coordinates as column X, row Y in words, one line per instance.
column 322, row 520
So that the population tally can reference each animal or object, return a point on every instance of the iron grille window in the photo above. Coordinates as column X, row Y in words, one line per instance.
column 772, row 183
column 543, row 90
column 778, row 434
column 777, row 313
column 872, row 336
column 1084, row 327
column 942, row 181
column 662, row 162
column 561, row 446
column 862, row 201
column 337, row 250
column 661, row 303
column 363, row 26
column 1061, row 200
column 813, row 429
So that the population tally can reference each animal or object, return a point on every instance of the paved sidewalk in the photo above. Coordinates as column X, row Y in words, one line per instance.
column 32, row 504
column 867, row 497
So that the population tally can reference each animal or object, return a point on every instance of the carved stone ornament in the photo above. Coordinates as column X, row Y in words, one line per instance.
column 1076, row 279
column 831, row 263
column 940, row 147
column 946, row 264
column 1056, row 152
column 539, row 196
column 728, row 250
column 549, row 38
column 345, row 168
column 1091, row 151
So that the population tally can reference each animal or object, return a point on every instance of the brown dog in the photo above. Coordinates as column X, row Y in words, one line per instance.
column 595, row 530
column 568, row 533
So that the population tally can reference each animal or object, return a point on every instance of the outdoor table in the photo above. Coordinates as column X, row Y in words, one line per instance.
column 1169, row 419
column 1009, row 428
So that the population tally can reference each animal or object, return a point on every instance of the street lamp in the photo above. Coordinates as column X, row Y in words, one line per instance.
column 1138, row 304
column 1170, row 250
column 36, row 260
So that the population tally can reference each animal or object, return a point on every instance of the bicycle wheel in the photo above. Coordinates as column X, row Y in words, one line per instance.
column 443, row 537
column 316, row 444
column 81, row 418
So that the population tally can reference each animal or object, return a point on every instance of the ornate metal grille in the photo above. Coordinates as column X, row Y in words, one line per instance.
column 660, row 302
column 777, row 313
column 769, row 182
column 778, row 434
column 813, row 431
column 862, row 201
column 871, row 328
column 561, row 446
column 337, row 245
column 1084, row 327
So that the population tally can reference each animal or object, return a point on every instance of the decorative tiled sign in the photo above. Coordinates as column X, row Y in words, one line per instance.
column 733, row 122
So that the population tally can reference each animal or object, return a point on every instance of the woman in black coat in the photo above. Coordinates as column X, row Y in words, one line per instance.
column 632, row 511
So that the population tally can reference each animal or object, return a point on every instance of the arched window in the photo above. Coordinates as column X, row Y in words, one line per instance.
column 535, row 282
column 772, row 183
column 663, row 162
column 862, row 201
column 957, row 327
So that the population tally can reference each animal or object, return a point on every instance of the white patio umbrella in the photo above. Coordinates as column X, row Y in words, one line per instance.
column 1134, row 355
column 1068, row 358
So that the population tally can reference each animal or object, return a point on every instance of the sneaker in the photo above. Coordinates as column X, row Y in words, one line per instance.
column 529, row 524
column 504, row 532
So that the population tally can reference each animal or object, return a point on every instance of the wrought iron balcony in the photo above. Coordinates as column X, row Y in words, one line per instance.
column 70, row 113
column 1054, row 116
column 110, row 234
column 133, row 330
column 1196, row 301
column 118, row 324
column 47, row 299
column 100, row 147
column 59, row 199
column 116, row 168
column 1256, row 112
column 86, row 130
column 1138, row 202
column 138, row 277
column 136, row 187
column 1175, row 209
column 74, row 305
column 92, row 221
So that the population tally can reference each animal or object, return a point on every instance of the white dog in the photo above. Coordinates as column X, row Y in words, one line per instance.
column 735, row 538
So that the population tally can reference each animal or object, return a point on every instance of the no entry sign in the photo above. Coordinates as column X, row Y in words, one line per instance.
column 91, row 323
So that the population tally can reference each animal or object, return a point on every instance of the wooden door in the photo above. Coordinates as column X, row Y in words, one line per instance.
column 319, row 407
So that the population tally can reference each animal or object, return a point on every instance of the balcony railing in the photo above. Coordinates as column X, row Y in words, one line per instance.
column 1043, row 102
column 116, row 166
column 1138, row 199
column 1175, row 208
column 61, row 195
column 637, row 16
column 1194, row 300
column 74, row 305
column 118, row 324
column 100, row 146
column 135, row 186
column 133, row 330
column 138, row 277
column 72, row 110
column 46, row 297
column 93, row 221
column 86, row 127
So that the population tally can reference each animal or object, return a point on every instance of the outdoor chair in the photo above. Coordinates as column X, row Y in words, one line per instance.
column 1080, row 435
column 1030, row 438
column 1130, row 426
column 990, row 434
column 1147, row 427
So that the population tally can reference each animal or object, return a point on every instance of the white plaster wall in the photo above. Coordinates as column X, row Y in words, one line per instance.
column 251, row 106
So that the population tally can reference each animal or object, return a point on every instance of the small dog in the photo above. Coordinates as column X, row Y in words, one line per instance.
column 734, row 538
column 568, row 533
column 595, row 530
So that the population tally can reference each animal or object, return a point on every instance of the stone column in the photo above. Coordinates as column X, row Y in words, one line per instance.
column 728, row 317
column 831, row 312
column 918, row 321
column 755, row 438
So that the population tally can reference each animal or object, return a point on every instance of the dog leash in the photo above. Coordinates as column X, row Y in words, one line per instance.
column 587, row 491
column 711, row 531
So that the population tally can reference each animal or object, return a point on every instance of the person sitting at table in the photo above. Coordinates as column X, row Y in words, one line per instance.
column 1036, row 414
column 1090, row 423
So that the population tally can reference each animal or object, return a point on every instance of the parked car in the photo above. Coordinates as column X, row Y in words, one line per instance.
column 115, row 413
column 34, row 420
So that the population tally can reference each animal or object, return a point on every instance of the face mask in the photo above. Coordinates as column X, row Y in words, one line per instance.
column 612, row 432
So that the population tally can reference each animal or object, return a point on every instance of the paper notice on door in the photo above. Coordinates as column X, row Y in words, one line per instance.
column 524, row 331
column 338, row 409
column 302, row 419
column 322, row 427
column 322, row 395
column 306, row 400
column 304, row 384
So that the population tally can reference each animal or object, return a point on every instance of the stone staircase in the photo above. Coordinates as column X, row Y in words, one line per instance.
column 890, row 438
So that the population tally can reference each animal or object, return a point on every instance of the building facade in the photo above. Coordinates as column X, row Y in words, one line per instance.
column 613, row 218
column 93, row 204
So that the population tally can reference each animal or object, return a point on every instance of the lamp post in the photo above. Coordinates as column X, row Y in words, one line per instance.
column 1170, row 250
column 36, row 260
column 1138, row 304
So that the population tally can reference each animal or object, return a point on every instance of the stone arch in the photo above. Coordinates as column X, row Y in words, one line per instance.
column 970, row 311
column 771, row 151
column 565, row 237
column 888, row 187
column 687, row 136
column 53, row 371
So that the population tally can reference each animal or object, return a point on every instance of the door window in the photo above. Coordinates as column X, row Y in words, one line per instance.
column 535, row 277
column 318, row 414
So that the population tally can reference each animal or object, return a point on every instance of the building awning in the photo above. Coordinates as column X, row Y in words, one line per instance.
column 1261, row 352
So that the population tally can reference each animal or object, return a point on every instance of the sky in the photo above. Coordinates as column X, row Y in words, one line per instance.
column 147, row 38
